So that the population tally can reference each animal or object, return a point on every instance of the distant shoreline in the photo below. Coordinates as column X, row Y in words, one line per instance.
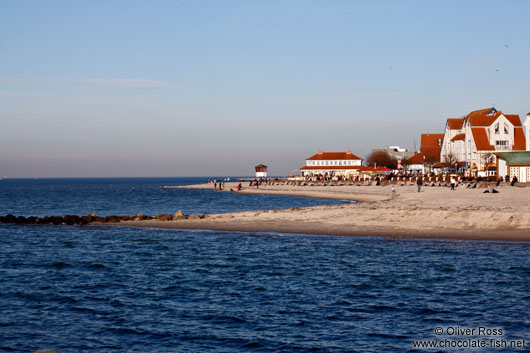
column 435, row 213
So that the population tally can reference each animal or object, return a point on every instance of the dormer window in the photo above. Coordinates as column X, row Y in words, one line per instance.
column 506, row 128
column 497, row 129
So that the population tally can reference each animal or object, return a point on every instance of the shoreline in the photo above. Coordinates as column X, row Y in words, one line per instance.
column 517, row 235
column 435, row 213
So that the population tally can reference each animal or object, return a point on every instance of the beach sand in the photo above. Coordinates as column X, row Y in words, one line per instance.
column 435, row 212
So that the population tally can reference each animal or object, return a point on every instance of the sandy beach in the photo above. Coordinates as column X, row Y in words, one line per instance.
column 435, row 212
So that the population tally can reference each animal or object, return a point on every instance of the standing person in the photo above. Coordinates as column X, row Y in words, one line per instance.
column 215, row 184
column 420, row 183
column 239, row 187
column 453, row 183
column 393, row 191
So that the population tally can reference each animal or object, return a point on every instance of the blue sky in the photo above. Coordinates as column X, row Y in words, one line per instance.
column 176, row 88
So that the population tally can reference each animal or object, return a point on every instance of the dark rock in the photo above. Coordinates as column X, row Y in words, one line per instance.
column 71, row 219
column 138, row 217
column 148, row 218
column 34, row 220
column 88, row 218
column 98, row 219
column 81, row 222
column 125, row 217
column 20, row 220
column 163, row 217
column 55, row 220
column 112, row 219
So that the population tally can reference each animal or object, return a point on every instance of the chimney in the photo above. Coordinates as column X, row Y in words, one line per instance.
column 348, row 152
column 320, row 152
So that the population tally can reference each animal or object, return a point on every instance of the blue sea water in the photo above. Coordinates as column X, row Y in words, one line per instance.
column 112, row 289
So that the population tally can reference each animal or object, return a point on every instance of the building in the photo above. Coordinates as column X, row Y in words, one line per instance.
column 526, row 128
column 395, row 152
column 332, row 164
column 261, row 171
column 470, row 142
column 514, row 164
column 429, row 155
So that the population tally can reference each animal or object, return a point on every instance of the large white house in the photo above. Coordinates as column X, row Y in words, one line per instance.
column 331, row 164
column 470, row 141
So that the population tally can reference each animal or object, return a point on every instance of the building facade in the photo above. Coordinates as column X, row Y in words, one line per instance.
column 332, row 164
column 470, row 141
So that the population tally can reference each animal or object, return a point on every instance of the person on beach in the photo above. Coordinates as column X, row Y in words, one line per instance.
column 215, row 184
column 490, row 190
column 239, row 187
column 393, row 191
column 420, row 183
column 514, row 180
column 453, row 183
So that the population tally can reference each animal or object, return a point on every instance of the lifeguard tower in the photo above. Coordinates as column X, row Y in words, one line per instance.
column 261, row 171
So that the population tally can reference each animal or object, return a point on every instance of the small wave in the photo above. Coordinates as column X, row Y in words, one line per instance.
column 96, row 266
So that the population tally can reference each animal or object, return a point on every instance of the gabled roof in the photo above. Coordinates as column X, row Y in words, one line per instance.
column 481, row 139
column 514, row 119
column 459, row 137
column 519, row 141
column 483, row 119
column 487, row 111
column 455, row 124
column 324, row 156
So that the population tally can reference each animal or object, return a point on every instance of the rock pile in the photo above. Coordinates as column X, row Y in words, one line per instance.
column 92, row 218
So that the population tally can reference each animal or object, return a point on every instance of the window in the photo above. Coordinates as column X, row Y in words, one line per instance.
column 501, row 145
column 506, row 128
column 497, row 129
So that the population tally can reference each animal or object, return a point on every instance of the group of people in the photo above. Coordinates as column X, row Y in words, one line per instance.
column 219, row 182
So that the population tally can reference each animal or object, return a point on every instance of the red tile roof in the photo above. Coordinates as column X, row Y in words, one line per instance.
column 481, row 139
column 334, row 167
column 458, row 137
column 480, row 112
column 483, row 119
column 519, row 141
column 431, row 145
column 455, row 124
column 321, row 156
column 416, row 159
column 514, row 119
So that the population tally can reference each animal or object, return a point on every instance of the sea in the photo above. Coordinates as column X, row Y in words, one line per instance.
column 125, row 289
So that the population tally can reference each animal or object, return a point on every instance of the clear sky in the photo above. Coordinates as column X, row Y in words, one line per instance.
column 212, row 88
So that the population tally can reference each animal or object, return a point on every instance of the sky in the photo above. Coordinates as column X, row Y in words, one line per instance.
column 213, row 88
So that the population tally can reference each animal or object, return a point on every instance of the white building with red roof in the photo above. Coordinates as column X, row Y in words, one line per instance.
column 345, row 164
column 431, row 145
column 470, row 141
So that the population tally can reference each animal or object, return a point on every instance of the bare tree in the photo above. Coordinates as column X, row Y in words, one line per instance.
column 450, row 158
column 381, row 159
column 487, row 158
